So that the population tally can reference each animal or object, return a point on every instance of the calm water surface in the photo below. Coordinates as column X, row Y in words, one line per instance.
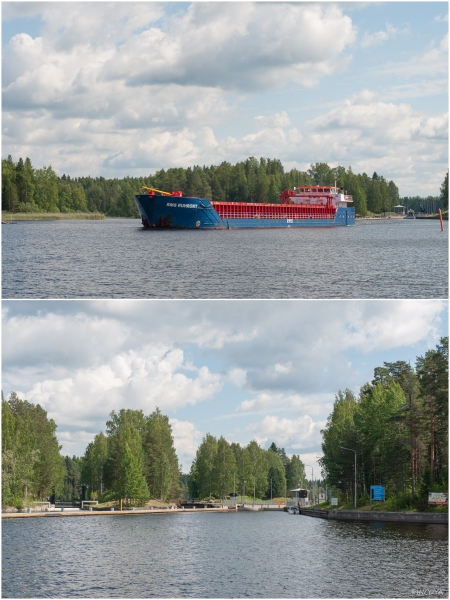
column 215, row 555
column 116, row 258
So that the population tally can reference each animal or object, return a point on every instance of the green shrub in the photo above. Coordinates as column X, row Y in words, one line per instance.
column 109, row 496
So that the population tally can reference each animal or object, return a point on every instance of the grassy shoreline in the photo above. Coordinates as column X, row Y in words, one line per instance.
column 380, row 506
column 6, row 217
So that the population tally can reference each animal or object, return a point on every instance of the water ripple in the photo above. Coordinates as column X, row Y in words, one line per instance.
column 116, row 258
column 243, row 555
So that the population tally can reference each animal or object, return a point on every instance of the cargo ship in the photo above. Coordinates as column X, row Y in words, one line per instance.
column 304, row 206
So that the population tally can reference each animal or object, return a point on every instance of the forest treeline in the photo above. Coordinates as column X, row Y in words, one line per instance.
column 28, row 189
column 134, row 460
column 398, row 426
column 221, row 468
column 31, row 461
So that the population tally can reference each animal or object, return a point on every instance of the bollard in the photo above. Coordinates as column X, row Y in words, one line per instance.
column 90, row 508
column 112, row 509
column 29, row 510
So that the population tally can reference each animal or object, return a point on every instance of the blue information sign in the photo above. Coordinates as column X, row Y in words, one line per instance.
column 376, row 492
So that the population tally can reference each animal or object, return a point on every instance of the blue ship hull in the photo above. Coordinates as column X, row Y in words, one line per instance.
column 169, row 212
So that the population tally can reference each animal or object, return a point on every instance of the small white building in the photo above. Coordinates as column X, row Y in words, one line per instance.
column 399, row 209
column 300, row 496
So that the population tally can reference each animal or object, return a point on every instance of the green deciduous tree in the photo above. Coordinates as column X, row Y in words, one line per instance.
column 321, row 174
column 276, row 476
column 259, row 469
column 32, row 464
column 224, row 469
column 131, row 483
column 295, row 473
column 204, row 465
column 162, row 469
column 94, row 464
column 46, row 194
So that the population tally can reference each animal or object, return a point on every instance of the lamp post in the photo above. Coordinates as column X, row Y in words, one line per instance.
column 312, row 477
column 350, row 450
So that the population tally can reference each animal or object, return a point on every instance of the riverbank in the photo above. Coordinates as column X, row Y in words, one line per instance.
column 365, row 515
column 7, row 218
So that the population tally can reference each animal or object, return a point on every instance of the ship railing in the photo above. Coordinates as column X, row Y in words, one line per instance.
column 296, row 216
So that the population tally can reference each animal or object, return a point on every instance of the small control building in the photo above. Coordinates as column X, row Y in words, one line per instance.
column 300, row 496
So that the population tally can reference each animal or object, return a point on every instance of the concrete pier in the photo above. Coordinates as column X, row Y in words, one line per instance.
column 366, row 515
column 110, row 512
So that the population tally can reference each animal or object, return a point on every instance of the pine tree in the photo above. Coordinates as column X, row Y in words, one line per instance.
column 432, row 370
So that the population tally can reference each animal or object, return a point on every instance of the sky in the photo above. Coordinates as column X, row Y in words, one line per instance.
column 125, row 89
column 246, row 369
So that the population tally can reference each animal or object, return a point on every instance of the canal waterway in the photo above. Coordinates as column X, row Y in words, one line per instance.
column 117, row 258
column 221, row 555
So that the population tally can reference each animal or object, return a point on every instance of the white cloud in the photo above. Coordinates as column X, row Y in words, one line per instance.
column 187, row 439
column 386, row 122
column 400, row 324
column 378, row 37
column 281, row 369
column 125, row 87
column 80, row 360
column 221, row 45
column 74, row 443
column 313, row 404
column 279, row 119
column 310, row 459
column 374, row 39
column 246, row 335
column 394, row 139
column 431, row 63
column 137, row 380
column 57, row 340
column 238, row 377
column 300, row 434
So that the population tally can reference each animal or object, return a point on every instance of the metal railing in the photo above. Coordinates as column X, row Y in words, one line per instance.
column 83, row 502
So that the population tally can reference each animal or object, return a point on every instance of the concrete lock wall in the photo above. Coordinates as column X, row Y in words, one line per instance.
column 355, row 515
